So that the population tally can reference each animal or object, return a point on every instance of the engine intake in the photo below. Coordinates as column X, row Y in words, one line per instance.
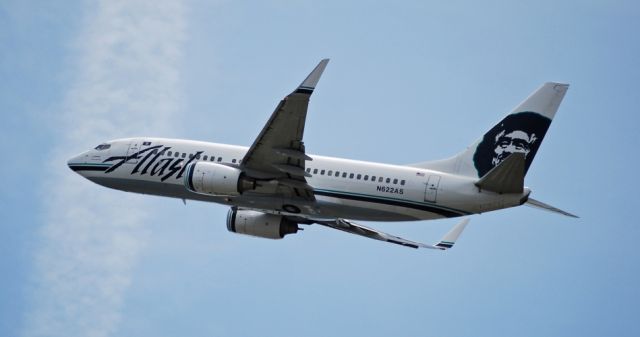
column 259, row 224
column 216, row 179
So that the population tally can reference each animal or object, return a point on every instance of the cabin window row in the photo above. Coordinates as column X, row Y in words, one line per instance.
column 357, row 176
column 177, row 154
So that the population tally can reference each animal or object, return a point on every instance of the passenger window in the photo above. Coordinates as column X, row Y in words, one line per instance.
column 344, row 174
column 395, row 181
column 337, row 173
column 359, row 176
column 402, row 182
column 308, row 170
column 322, row 172
column 213, row 158
column 388, row 180
column 366, row 177
column 315, row 171
column 219, row 159
column 155, row 151
column 190, row 155
column 205, row 157
column 198, row 156
column 351, row 176
column 233, row 161
column 169, row 153
column 184, row 155
column 373, row 178
column 330, row 173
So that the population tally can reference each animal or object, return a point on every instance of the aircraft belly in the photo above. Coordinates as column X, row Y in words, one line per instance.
column 371, row 210
column 151, row 187
column 365, row 211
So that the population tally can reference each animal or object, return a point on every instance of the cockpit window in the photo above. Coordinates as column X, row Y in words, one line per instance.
column 102, row 147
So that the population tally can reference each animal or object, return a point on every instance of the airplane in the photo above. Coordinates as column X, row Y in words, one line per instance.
column 274, row 186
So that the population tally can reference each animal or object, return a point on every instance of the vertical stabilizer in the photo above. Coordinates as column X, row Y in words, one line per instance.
column 521, row 131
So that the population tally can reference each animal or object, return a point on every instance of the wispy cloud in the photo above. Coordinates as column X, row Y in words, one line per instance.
column 127, row 84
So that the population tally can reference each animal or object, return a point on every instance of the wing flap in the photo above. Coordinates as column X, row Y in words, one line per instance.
column 292, row 170
column 292, row 154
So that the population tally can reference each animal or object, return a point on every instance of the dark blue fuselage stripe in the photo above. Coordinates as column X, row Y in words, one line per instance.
column 88, row 168
column 427, row 208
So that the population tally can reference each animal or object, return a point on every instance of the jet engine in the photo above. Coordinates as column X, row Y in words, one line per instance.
column 259, row 224
column 216, row 179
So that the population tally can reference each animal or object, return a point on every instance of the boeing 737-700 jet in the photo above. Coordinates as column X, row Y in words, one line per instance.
column 275, row 185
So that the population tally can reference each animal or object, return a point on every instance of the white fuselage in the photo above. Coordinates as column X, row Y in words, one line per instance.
column 343, row 188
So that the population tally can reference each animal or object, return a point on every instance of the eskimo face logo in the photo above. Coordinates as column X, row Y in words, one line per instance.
column 517, row 133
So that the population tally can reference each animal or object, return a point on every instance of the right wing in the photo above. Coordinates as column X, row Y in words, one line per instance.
column 278, row 152
column 351, row 227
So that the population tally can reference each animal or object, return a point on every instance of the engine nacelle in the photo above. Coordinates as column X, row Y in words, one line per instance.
column 259, row 224
column 216, row 179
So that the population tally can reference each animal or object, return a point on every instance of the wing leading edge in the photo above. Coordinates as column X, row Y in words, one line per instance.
column 447, row 241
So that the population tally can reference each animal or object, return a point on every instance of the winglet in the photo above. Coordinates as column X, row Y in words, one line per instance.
column 450, row 238
column 309, row 83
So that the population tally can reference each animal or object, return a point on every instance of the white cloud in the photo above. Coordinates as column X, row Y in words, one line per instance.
column 127, row 84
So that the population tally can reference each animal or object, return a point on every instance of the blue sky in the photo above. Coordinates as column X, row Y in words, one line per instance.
column 408, row 81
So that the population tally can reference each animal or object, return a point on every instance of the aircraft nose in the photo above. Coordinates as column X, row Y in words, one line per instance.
column 74, row 161
column 71, row 161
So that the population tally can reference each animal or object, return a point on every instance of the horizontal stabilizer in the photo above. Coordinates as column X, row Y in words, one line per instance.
column 507, row 177
column 351, row 227
column 541, row 205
